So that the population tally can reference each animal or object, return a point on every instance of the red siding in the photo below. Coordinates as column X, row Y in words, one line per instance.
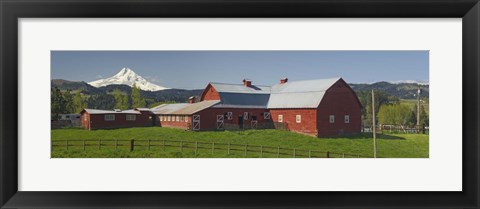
column 339, row 100
column 97, row 121
column 210, row 94
column 308, row 122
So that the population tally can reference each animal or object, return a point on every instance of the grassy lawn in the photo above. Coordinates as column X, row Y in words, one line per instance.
column 388, row 146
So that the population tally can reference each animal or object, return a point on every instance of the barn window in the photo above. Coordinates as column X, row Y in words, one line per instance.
column 85, row 117
column 160, row 117
column 347, row 118
column 177, row 118
column 332, row 118
column 245, row 115
column 298, row 118
column 280, row 118
column 169, row 118
column 182, row 118
column 229, row 115
column 266, row 115
column 186, row 118
column 131, row 117
column 109, row 117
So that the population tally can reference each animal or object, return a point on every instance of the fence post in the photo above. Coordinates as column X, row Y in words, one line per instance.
column 83, row 145
column 99, row 144
column 294, row 152
column 116, row 144
column 196, row 148
column 328, row 154
column 213, row 147
column 228, row 148
column 309, row 153
column 132, row 145
column 149, row 145
column 66, row 144
column 181, row 146
column 246, row 150
column 261, row 151
column 278, row 152
column 343, row 155
column 164, row 145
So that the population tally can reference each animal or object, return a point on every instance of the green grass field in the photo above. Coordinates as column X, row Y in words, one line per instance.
column 388, row 146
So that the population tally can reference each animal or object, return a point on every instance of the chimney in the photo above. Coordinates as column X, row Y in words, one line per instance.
column 283, row 80
column 191, row 99
column 247, row 83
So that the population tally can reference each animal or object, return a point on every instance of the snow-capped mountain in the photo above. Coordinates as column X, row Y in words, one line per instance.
column 126, row 76
column 423, row 83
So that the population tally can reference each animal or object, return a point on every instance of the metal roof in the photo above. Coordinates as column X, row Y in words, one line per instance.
column 240, row 88
column 94, row 111
column 168, row 108
column 195, row 107
column 299, row 94
column 142, row 109
column 183, row 108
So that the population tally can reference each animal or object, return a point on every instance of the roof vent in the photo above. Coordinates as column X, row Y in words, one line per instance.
column 283, row 80
column 117, row 110
column 247, row 82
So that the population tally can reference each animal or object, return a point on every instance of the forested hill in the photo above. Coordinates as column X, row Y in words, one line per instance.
column 401, row 91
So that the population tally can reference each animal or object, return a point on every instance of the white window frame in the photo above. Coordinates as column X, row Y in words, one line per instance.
column 280, row 118
column 229, row 115
column 347, row 118
column 332, row 118
column 245, row 116
column 109, row 117
column 160, row 117
column 169, row 118
column 177, row 118
column 130, row 117
column 298, row 118
column 186, row 118
column 85, row 117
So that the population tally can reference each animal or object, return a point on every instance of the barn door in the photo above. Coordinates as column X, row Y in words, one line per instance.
column 196, row 122
column 254, row 124
column 220, row 122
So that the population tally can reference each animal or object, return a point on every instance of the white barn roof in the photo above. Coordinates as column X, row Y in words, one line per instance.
column 183, row 108
column 299, row 94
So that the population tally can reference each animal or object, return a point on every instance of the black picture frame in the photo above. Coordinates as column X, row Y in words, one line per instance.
column 11, row 10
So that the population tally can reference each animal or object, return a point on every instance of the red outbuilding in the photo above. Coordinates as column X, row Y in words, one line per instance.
column 107, row 119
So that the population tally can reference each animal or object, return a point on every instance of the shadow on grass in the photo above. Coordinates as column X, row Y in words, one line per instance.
column 369, row 136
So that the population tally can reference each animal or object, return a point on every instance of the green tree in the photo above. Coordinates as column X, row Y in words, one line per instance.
column 58, row 103
column 78, row 102
column 137, row 99
column 395, row 114
column 121, row 100
column 69, row 106
column 101, row 101
column 381, row 98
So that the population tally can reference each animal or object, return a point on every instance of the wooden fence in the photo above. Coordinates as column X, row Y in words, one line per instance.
column 197, row 147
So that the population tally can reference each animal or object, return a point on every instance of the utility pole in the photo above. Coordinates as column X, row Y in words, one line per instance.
column 373, row 127
column 418, row 109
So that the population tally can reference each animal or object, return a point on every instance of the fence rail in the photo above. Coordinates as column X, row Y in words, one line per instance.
column 212, row 147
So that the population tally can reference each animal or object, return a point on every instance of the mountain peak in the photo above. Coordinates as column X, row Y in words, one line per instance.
column 128, row 77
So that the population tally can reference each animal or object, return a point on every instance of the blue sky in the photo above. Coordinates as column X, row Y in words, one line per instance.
column 194, row 69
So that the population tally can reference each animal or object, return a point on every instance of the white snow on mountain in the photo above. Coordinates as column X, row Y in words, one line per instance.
column 126, row 76
column 410, row 82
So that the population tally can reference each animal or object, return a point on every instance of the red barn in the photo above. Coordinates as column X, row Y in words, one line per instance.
column 189, row 116
column 107, row 119
column 240, row 105
column 323, row 107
